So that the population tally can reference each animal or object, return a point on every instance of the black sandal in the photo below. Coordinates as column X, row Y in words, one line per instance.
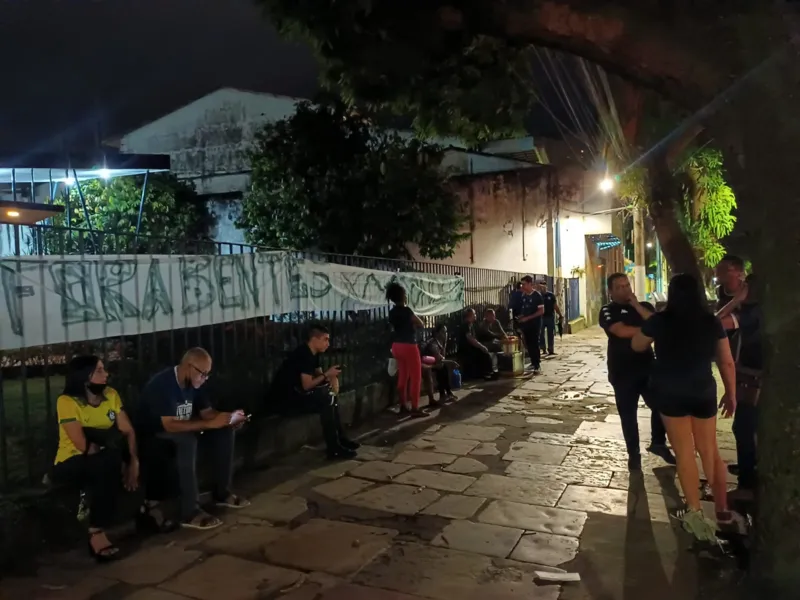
column 151, row 519
column 104, row 555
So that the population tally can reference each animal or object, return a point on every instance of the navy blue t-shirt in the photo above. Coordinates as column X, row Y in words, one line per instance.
column 529, row 304
column 549, row 299
column 163, row 397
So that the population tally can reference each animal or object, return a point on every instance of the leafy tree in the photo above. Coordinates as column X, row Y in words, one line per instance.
column 172, row 214
column 326, row 179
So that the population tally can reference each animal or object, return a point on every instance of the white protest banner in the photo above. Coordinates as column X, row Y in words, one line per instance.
column 50, row 300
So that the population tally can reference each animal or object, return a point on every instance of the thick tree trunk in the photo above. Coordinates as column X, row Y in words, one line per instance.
column 663, row 210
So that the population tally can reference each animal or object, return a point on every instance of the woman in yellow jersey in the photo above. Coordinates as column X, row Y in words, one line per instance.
column 92, row 429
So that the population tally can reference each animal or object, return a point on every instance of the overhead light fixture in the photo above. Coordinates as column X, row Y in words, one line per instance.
column 649, row 244
column 606, row 185
column 13, row 213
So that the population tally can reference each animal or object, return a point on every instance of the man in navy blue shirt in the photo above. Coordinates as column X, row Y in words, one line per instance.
column 629, row 371
column 551, row 308
column 530, row 321
column 172, row 414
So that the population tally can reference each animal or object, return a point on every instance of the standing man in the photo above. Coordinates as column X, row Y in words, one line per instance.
column 629, row 371
column 530, row 321
column 730, row 276
column 741, row 318
column 551, row 309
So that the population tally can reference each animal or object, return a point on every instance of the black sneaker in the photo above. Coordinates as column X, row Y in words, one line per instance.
column 662, row 452
column 635, row 463
column 341, row 453
column 349, row 444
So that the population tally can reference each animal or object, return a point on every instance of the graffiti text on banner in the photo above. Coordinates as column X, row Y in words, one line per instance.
column 49, row 300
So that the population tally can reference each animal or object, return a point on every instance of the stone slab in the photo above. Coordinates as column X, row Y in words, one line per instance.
column 587, row 457
column 651, row 483
column 335, row 470
column 480, row 538
column 567, row 475
column 537, row 420
column 447, row 482
column 558, row 439
column 55, row 587
column 478, row 433
column 421, row 458
column 527, row 491
column 231, row 578
column 445, row 574
column 465, row 466
column 243, row 538
column 486, row 449
column 395, row 498
column 332, row 547
column 357, row 592
column 444, row 445
column 154, row 594
column 152, row 565
column 455, row 506
column 379, row 470
column 366, row 452
column 536, row 386
column 536, row 452
column 602, row 429
column 558, row 521
column 341, row 488
column 592, row 499
column 278, row 508
column 546, row 549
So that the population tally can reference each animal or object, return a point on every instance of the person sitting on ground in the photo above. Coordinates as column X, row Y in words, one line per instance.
column 436, row 347
column 302, row 387
column 476, row 358
column 490, row 332
column 688, row 339
column 171, row 415
column 92, row 424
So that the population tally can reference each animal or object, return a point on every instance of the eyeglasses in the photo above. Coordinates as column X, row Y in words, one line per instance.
column 203, row 374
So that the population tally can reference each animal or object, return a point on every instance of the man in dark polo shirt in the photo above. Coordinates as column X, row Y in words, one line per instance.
column 530, row 321
column 547, row 337
column 730, row 277
column 741, row 318
column 629, row 371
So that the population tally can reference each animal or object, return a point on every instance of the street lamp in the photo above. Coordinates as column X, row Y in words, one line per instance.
column 606, row 185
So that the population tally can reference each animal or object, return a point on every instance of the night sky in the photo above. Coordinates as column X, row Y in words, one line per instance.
column 73, row 67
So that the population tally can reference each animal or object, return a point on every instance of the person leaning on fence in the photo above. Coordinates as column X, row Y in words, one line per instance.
column 301, row 387
column 171, row 416
column 405, row 350
column 96, row 445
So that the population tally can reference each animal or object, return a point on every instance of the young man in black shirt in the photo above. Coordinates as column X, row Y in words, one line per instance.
column 530, row 321
column 730, row 276
column 301, row 387
column 629, row 371
column 551, row 308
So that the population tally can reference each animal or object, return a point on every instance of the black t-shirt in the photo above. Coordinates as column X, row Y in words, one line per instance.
column 747, row 339
column 723, row 297
column 529, row 304
column 162, row 396
column 683, row 358
column 301, row 361
column 465, row 331
column 401, row 319
column 549, row 300
column 622, row 360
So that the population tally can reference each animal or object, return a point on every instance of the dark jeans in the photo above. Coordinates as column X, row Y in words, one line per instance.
column 443, row 380
column 161, row 450
column 475, row 362
column 530, row 333
column 319, row 401
column 745, row 425
column 548, row 326
column 627, row 391
column 100, row 476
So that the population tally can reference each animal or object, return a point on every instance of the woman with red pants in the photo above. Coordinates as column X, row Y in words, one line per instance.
column 405, row 350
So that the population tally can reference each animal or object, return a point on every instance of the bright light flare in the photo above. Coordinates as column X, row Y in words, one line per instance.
column 105, row 174
column 606, row 185
column 70, row 181
column 13, row 213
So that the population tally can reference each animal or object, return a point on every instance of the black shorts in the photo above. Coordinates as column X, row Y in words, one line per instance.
column 686, row 406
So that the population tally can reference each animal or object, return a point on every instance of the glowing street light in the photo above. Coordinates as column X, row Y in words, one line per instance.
column 649, row 244
column 105, row 173
column 13, row 213
column 69, row 181
column 606, row 185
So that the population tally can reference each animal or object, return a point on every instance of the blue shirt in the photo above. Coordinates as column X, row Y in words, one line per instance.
column 529, row 304
column 163, row 397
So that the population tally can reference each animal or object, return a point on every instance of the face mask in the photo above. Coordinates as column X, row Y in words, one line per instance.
column 96, row 388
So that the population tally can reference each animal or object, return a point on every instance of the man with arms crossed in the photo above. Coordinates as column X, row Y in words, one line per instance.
column 172, row 413
column 629, row 371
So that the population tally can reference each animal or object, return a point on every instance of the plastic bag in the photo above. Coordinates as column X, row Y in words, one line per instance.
column 392, row 367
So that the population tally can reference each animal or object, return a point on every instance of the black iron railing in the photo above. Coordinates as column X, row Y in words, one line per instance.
column 246, row 351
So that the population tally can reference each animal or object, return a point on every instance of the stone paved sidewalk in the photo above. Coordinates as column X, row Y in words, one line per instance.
column 515, row 477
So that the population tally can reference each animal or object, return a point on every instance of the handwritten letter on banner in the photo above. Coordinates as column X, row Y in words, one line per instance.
column 49, row 300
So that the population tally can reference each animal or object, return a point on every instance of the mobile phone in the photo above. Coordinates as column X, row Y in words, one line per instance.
column 248, row 417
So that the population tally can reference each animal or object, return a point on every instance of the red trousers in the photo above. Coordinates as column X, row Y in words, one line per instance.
column 409, row 372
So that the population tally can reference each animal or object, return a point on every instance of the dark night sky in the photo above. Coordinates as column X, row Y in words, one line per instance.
column 70, row 64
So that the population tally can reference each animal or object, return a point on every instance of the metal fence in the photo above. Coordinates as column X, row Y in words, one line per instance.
column 246, row 351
